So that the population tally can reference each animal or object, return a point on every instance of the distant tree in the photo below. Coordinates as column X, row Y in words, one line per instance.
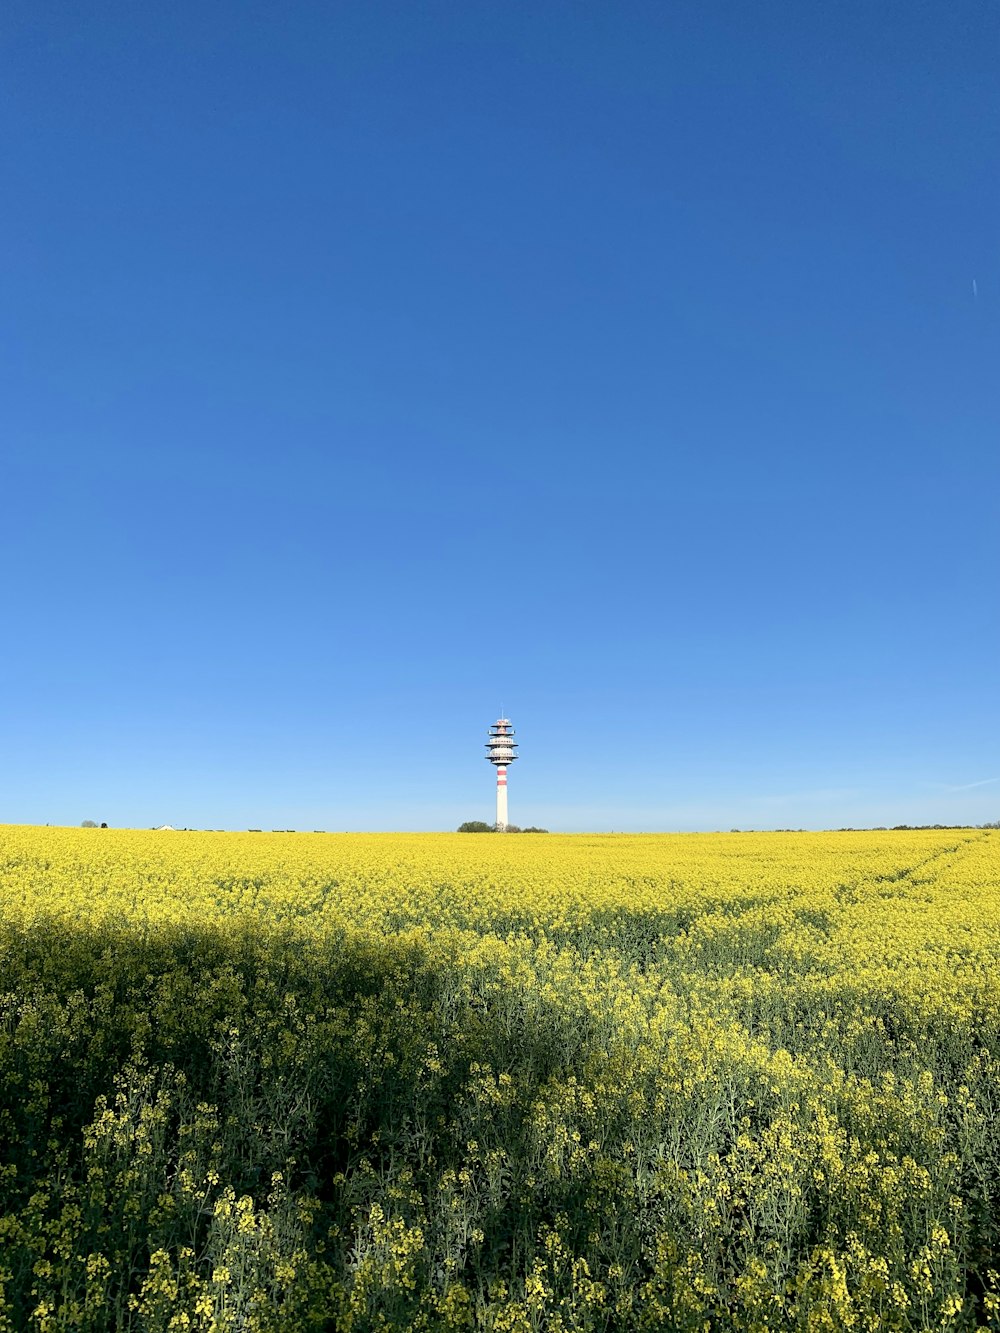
column 104, row 826
column 88, row 823
column 475, row 826
column 512, row 828
column 532, row 829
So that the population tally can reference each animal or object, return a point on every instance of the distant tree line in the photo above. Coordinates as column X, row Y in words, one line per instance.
column 480, row 826
column 913, row 828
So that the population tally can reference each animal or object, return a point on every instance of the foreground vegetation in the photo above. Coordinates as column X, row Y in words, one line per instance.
column 436, row 1082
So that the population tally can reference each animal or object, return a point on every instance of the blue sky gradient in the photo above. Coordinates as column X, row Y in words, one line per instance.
column 369, row 366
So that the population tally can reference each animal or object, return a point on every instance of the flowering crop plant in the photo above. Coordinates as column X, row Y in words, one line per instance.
column 439, row 1082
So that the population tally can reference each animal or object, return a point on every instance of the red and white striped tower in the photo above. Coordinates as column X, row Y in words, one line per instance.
column 500, row 750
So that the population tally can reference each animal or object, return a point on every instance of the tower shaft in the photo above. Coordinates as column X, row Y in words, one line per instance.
column 501, row 798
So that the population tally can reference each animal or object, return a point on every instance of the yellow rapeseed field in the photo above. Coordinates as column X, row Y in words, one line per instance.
column 524, row 1082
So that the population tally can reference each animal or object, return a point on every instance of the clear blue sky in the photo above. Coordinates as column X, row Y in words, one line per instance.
column 367, row 366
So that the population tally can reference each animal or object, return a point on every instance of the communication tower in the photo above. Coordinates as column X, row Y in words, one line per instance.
column 501, row 750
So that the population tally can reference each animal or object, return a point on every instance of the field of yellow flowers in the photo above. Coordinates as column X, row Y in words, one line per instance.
column 439, row 1082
